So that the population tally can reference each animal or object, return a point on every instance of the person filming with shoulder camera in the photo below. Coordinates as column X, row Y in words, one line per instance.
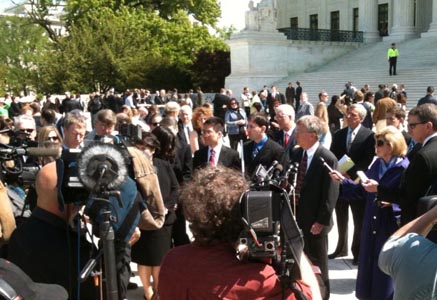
column 208, row 268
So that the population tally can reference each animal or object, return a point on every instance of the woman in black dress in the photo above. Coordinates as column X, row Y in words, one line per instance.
column 154, row 244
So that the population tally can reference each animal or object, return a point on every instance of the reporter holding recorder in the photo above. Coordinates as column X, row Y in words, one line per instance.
column 208, row 269
column 381, row 193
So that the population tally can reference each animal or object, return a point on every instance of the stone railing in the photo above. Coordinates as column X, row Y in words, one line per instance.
column 307, row 34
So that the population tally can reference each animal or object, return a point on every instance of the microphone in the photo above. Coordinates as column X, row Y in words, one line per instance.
column 277, row 172
column 326, row 165
column 31, row 151
column 272, row 167
column 329, row 168
column 40, row 151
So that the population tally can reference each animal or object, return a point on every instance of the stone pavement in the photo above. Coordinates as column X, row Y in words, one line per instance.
column 342, row 273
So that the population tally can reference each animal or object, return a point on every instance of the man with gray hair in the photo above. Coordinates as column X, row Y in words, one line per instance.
column 26, row 126
column 285, row 136
column 357, row 142
column 314, row 206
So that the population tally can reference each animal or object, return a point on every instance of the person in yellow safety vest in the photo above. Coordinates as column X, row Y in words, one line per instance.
column 392, row 56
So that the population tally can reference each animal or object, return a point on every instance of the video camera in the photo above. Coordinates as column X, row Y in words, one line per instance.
column 271, row 230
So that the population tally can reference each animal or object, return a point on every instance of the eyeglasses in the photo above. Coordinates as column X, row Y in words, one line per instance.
column 380, row 143
column 27, row 130
column 155, row 124
column 53, row 138
column 413, row 125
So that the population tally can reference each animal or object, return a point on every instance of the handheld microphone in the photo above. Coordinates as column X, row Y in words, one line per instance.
column 277, row 172
column 326, row 165
column 329, row 168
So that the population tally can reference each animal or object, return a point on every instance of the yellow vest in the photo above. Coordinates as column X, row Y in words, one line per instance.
column 392, row 53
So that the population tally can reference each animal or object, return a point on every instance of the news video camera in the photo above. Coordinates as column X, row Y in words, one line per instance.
column 271, row 230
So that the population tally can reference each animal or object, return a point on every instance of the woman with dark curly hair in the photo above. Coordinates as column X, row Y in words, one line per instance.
column 208, row 268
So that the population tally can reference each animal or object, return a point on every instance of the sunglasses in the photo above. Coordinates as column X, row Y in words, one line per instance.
column 27, row 130
column 413, row 125
column 53, row 138
column 380, row 143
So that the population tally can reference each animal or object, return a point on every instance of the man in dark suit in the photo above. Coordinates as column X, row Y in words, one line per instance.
column 357, row 142
column 429, row 97
column 216, row 153
column 69, row 104
column 290, row 92
column 261, row 150
column 286, row 135
column 272, row 98
column 316, row 193
column 297, row 94
column 220, row 103
column 420, row 178
column 305, row 107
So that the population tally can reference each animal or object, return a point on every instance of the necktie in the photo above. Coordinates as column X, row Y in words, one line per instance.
column 255, row 152
column 301, row 175
column 286, row 139
column 187, row 134
column 350, row 140
column 212, row 157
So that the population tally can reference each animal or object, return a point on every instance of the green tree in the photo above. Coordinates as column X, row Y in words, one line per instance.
column 126, row 43
column 21, row 50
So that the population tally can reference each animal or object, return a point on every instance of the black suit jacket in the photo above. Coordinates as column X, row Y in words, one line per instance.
column 228, row 158
column 279, row 138
column 270, row 152
column 219, row 101
column 318, row 193
column 420, row 175
column 361, row 152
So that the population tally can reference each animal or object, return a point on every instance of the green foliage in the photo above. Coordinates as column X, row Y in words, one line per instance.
column 21, row 50
column 127, row 44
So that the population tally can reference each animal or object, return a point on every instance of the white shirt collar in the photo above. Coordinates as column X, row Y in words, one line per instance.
column 429, row 137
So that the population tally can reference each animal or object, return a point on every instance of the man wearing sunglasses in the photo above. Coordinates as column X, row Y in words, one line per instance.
column 420, row 178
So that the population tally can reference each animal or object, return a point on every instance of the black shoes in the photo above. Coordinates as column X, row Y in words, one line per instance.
column 336, row 254
column 132, row 285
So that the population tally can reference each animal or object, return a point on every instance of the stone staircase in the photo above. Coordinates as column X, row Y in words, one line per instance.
column 416, row 68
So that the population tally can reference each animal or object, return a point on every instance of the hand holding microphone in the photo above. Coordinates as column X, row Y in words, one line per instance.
column 335, row 175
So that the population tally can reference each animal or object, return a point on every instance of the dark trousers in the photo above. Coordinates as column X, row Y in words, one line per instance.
column 342, row 214
column 179, row 233
column 392, row 61
column 316, row 248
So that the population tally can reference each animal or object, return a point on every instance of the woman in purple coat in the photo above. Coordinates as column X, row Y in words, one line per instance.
column 381, row 193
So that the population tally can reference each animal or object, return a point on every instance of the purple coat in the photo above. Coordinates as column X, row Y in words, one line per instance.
column 378, row 225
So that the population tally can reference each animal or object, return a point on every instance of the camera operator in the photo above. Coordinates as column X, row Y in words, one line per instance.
column 208, row 268
column 410, row 259
column 45, row 247
column 26, row 127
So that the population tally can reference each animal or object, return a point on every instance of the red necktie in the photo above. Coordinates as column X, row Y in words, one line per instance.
column 212, row 157
column 301, row 175
column 286, row 139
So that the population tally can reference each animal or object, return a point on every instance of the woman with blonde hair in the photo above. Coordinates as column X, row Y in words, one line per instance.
column 381, row 194
column 49, row 137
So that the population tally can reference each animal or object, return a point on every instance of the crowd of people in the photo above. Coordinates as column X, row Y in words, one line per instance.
column 204, row 154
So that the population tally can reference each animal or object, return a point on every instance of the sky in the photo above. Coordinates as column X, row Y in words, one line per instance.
column 233, row 11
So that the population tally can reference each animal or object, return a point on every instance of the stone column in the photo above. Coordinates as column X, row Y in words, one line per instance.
column 432, row 31
column 403, row 21
column 368, row 18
